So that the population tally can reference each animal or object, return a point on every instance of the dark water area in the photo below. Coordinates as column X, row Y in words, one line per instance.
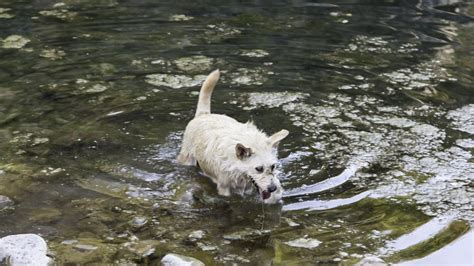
column 378, row 97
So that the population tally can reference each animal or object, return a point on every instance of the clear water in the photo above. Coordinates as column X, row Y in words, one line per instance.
column 378, row 97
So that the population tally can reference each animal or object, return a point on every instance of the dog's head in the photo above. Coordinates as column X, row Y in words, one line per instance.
column 258, row 161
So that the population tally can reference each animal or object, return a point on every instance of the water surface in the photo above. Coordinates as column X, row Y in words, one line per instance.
column 378, row 97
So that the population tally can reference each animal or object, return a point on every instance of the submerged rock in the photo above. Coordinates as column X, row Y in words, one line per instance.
column 219, row 32
column 143, row 248
column 257, row 100
column 174, row 81
column 53, row 54
column 97, row 88
column 250, row 236
column 205, row 247
column 304, row 243
column 24, row 249
column 180, row 17
column 104, row 69
column 4, row 14
column 138, row 222
column 366, row 44
column 39, row 141
column 15, row 42
column 198, row 63
column 45, row 215
column 245, row 76
column 5, row 202
column 254, row 53
column 84, row 251
column 175, row 260
column 84, row 247
column 198, row 234
column 62, row 14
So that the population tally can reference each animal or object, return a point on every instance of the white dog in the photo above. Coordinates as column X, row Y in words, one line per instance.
column 229, row 152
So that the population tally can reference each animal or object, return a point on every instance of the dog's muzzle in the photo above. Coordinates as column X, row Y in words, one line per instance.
column 265, row 194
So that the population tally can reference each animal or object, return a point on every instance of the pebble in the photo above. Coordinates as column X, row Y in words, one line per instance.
column 138, row 222
column 198, row 234
column 5, row 202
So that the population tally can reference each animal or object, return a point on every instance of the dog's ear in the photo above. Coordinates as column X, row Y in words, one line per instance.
column 242, row 152
column 275, row 139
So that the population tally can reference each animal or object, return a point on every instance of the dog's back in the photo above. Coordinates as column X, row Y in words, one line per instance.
column 213, row 137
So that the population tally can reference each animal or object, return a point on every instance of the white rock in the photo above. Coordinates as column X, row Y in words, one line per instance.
column 180, row 260
column 198, row 234
column 24, row 249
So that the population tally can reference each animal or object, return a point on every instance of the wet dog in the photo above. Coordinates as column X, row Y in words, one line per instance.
column 231, row 153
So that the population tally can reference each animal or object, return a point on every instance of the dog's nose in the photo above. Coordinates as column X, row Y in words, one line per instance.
column 271, row 188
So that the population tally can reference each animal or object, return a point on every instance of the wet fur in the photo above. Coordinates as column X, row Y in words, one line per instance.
column 229, row 151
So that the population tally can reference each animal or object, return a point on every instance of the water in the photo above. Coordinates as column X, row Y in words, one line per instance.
column 377, row 95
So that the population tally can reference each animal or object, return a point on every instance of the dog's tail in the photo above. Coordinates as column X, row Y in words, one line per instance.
column 204, row 103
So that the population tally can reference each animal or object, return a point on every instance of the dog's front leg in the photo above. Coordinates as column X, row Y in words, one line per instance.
column 223, row 188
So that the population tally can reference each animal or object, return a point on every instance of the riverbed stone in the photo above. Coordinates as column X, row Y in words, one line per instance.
column 172, row 259
column 84, row 251
column 138, row 222
column 5, row 202
column 253, row 237
column 180, row 17
column 198, row 234
column 24, row 249
column 52, row 54
column 15, row 42
column 62, row 14
column 142, row 249
column 174, row 81
column 45, row 215
column 197, row 63
column 304, row 242
column 4, row 13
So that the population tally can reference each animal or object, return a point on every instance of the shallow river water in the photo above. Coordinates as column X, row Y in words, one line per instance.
column 378, row 97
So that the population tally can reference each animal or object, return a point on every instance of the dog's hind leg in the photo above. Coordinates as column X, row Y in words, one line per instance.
column 185, row 157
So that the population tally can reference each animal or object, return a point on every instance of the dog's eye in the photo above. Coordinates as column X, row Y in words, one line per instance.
column 259, row 169
column 272, row 167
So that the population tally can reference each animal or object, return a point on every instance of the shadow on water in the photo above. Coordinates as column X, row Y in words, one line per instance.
column 377, row 95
